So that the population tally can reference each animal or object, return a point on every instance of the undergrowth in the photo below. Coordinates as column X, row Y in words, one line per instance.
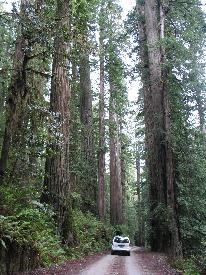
column 26, row 221
column 187, row 266
column 91, row 235
column 33, row 227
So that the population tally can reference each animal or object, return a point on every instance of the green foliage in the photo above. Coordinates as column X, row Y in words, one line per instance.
column 121, row 229
column 34, row 227
column 189, row 147
column 184, row 43
column 14, row 199
column 190, row 269
column 24, row 219
column 91, row 235
column 186, row 267
column 27, row 221
column 7, row 30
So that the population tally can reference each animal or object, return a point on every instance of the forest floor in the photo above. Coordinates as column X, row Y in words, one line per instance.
column 141, row 262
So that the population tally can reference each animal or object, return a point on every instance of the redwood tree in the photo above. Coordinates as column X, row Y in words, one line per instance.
column 161, row 170
column 101, row 151
column 115, row 73
column 89, row 175
column 83, row 13
column 115, row 162
column 18, row 93
column 56, row 183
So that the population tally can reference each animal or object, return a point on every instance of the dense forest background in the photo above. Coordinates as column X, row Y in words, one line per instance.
column 81, row 160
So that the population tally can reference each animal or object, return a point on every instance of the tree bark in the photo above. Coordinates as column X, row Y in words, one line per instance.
column 75, row 136
column 115, row 163
column 101, row 156
column 89, row 178
column 164, row 222
column 56, row 183
column 123, row 178
column 18, row 96
column 140, row 234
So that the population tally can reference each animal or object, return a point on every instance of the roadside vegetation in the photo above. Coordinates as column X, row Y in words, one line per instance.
column 102, row 130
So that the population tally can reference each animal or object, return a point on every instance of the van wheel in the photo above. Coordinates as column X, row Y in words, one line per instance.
column 112, row 252
column 128, row 254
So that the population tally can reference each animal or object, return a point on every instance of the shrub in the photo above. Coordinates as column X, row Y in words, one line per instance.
column 187, row 266
column 34, row 227
column 91, row 234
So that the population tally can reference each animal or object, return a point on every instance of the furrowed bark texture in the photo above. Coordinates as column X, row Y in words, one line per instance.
column 164, row 223
column 56, row 183
column 115, row 163
column 75, row 127
column 140, row 234
column 89, row 178
column 101, row 156
column 18, row 97
column 123, row 185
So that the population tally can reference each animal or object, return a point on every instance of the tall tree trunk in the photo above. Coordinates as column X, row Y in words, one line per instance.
column 165, row 232
column 123, row 178
column 56, row 184
column 115, row 163
column 75, row 135
column 138, row 175
column 141, row 230
column 18, row 95
column 89, row 179
column 101, row 156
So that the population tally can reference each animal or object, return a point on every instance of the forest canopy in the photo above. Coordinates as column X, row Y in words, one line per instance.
column 102, row 128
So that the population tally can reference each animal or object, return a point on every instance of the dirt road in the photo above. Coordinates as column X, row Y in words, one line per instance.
column 114, row 264
column 141, row 262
